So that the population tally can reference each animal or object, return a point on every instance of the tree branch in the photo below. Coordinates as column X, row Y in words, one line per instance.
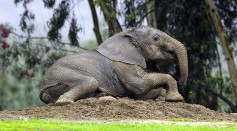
column 232, row 106
column 35, row 37
column 145, row 15
column 43, row 37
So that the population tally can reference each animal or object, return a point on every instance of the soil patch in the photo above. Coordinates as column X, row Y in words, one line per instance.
column 120, row 109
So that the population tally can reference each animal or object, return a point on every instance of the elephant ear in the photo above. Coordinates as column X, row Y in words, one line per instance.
column 120, row 48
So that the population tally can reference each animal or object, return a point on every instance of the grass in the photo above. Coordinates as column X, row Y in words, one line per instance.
column 44, row 125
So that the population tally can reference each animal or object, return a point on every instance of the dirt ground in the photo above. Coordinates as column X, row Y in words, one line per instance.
column 93, row 109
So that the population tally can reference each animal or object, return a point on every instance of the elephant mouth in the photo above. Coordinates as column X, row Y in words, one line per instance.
column 169, row 55
column 170, row 52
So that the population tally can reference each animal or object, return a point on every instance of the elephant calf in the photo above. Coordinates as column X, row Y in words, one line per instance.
column 118, row 67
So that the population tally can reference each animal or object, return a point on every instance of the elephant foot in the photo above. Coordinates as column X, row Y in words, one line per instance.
column 173, row 97
column 63, row 101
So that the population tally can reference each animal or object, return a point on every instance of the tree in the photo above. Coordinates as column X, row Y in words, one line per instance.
column 225, row 43
column 108, row 7
column 151, row 14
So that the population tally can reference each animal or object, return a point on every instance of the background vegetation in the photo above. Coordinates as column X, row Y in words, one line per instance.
column 211, row 83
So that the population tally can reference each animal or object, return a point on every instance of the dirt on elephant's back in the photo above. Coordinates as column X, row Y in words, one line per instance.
column 120, row 109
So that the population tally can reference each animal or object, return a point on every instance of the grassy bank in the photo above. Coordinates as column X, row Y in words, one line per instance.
column 18, row 125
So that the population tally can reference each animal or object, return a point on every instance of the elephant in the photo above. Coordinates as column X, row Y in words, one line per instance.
column 118, row 67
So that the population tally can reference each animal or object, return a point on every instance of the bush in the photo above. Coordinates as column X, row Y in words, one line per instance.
column 22, row 63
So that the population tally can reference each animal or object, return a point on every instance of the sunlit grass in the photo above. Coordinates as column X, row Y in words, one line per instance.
column 18, row 125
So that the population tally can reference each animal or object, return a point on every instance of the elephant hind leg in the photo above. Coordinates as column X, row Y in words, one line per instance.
column 85, row 88
column 51, row 94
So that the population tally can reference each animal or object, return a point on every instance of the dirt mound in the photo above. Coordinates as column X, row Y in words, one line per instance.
column 120, row 109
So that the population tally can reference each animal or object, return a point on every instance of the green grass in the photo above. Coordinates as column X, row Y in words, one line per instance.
column 42, row 125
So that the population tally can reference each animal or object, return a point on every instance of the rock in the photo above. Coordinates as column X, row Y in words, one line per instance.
column 108, row 98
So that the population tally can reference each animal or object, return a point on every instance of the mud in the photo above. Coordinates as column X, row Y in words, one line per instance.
column 93, row 109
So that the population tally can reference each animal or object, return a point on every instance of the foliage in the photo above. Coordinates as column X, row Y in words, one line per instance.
column 60, row 15
column 22, row 64
column 57, row 21
column 49, row 3
column 220, row 84
column 115, row 126
column 73, row 32
column 228, row 13
column 27, row 17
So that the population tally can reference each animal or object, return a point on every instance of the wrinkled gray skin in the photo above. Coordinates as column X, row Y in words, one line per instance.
column 118, row 67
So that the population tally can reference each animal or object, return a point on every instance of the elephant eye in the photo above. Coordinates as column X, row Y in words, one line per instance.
column 156, row 38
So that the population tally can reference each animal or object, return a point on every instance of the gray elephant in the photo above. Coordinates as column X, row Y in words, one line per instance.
column 118, row 68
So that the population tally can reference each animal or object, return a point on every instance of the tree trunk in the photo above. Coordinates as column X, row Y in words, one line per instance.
column 151, row 14
column 95, row 21
column 110, row 17
column 225, row 43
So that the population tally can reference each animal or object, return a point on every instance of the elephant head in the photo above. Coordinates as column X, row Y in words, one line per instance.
column 144, row 44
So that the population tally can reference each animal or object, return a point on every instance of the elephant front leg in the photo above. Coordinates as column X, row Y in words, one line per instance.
column 172, row 93
column 140, row 82
column 150, row 81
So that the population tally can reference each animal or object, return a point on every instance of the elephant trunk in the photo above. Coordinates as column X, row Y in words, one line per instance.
column 181, row 54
